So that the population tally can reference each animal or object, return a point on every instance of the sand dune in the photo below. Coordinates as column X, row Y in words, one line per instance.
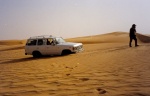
column 115, row 37
column 7, row 48
column 12, row 42
column 6, row 45
column 143, row 38
column 107, row 67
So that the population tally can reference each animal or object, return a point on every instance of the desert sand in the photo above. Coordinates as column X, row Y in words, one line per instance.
column 106, row 67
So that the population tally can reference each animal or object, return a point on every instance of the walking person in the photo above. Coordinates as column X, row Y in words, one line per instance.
column 132, row 35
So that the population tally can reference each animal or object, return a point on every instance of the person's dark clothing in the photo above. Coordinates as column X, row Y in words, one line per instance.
column 132, row 36
column 132, row 32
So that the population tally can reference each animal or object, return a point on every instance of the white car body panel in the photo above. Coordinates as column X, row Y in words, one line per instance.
column 53, row 49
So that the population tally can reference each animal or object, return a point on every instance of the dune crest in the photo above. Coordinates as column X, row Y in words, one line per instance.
column 114, row 37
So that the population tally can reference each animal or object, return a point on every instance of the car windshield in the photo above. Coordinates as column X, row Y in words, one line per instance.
column 60, row 40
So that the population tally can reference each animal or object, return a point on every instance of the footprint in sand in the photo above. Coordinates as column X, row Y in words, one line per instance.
column 84, row 79
column 69, row 67
column 101, row 91
column 68, row 74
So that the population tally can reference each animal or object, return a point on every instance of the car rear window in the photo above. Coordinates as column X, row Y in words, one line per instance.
column 31, row 42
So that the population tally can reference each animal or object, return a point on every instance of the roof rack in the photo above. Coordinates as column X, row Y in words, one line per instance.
column 42, row 36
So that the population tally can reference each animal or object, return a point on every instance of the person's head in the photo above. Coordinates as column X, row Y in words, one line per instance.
column 133, row 26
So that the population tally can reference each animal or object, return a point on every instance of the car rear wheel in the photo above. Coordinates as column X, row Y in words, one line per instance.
column 36, row 54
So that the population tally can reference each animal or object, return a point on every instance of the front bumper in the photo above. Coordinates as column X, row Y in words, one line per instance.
column 79, row 50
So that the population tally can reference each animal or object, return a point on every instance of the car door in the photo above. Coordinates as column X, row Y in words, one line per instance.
column 41, row 46
column 51, row 47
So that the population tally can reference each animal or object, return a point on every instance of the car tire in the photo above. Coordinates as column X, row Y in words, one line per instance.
column 36, row 54
column 65, row 52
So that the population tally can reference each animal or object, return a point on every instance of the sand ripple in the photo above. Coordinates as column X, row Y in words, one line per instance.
column 98, row 71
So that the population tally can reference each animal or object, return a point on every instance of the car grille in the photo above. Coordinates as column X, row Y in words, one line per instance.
column 79, row 47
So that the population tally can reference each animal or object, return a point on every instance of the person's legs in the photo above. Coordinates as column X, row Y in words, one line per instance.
column 130, row 45
column 136, row 42
column 135, row 39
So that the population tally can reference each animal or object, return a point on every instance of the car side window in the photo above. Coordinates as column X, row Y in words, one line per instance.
column 31, row 42
column 49, row 41
column 40, row 42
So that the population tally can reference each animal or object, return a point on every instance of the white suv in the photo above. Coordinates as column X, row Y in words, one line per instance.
column 49, row 45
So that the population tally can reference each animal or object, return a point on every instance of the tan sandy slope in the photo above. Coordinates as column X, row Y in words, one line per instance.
column 106, row 67
column 115, row 37
column 12, row 42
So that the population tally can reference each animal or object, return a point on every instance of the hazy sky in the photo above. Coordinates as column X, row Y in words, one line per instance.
column 20, row 19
